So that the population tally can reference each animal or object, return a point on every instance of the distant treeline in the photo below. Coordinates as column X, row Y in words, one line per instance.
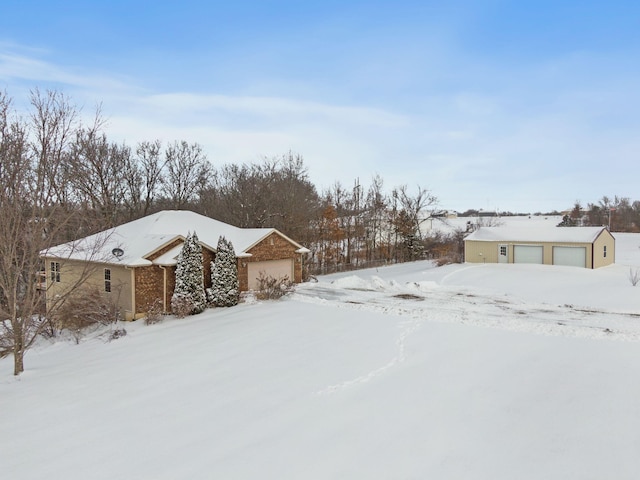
column 620, row 214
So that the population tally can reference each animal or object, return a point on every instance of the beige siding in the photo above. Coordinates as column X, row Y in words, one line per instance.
column 90, row 276
column 487, row 252
column 605, row 239
column 483, row 252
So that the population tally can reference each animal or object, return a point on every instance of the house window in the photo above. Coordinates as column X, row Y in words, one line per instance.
column 604, row 253
column 55, row 272
column 107, row 280
column 503, row 250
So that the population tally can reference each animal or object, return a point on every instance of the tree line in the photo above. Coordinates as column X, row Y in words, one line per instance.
column 620, row 214
column 100, row 183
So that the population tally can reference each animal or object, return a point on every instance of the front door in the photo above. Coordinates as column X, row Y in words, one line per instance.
column 503, row 254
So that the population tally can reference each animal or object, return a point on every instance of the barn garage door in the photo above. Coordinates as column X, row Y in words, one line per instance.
column 570, row 256
column 271, row 268
column 527, row 254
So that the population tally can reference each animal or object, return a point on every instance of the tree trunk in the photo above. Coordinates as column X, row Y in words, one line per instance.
column 18, row 353
column 18, row 363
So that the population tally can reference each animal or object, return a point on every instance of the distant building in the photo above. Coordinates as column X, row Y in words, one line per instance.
column 587, row 247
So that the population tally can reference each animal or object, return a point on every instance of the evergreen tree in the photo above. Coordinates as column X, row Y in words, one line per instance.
column 567, row 221
column 188, row 294
column 225, row 287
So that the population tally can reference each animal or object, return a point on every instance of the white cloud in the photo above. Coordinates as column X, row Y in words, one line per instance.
column 527, row 147
column 20, row 68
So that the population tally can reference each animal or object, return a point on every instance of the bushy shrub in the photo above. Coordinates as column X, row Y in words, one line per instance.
column 117, row 333
column 155, row 312
column 181, row 306
column 271, row 288
column 89, row 308
column 448, row 260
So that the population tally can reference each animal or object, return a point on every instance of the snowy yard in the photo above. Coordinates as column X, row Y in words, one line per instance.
column 404, row 372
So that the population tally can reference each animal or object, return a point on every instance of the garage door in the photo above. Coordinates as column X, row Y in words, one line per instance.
column 271, row 268
column 527, row 254
column 570, row 256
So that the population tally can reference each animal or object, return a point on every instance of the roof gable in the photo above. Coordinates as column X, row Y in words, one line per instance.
column 299, row 248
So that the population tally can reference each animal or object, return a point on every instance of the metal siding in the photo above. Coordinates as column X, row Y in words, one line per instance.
column 480, row 252
column 605, row 238
column 477, row 251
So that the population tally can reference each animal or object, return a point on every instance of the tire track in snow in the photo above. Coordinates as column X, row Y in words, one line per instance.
column 457, row 305
column 396, row 360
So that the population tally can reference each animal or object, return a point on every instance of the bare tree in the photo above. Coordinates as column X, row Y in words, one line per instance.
column 418, row 208
column 53, row 121
column 188, row 172
column 151, row 166
column 133, row 189
column 240, row 194
column 275, row 193
column 32, row 215
column 99, row 168
column 375, row 206
column 576, row 213
column 142, row 178
column 296, row 203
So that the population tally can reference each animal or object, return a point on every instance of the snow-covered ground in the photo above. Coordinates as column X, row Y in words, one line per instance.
column 404, row 372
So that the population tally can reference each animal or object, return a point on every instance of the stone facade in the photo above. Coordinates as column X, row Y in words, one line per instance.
column 149, row 285
column 273, row 247
column 171, row 285
column 150, row 280
column 243, row 274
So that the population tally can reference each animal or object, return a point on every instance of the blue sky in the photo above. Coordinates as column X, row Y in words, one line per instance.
column 514, row 105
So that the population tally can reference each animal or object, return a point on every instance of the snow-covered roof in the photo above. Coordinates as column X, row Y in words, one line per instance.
column 140, row 238
column 528, row 234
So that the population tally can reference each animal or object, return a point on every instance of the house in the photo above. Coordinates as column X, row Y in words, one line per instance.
column 135, row 262
column 587, row 247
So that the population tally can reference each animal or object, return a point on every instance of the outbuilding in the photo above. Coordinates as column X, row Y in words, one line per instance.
column 586, row 247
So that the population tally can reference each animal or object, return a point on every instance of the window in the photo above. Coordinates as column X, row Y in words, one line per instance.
column 107, row 279
column 503, row 250
column 605, row 252
column 55, row 272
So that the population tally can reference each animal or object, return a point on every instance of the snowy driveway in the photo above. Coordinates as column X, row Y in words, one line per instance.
column 432, row 301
